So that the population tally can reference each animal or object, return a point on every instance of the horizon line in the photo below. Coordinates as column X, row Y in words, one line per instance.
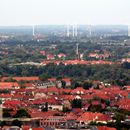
column 64, row 25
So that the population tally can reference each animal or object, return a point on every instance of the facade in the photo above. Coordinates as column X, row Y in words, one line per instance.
column 52, row 121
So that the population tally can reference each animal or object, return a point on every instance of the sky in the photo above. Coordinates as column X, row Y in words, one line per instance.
column 40, row 12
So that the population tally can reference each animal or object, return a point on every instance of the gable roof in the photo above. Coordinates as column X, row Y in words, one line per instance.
column 8, row 85
column 105, row 128
column 32, row 78
column 78, row 90
column 90, row 116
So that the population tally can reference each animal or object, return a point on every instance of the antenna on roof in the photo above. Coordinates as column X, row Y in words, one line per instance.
column 77, row 51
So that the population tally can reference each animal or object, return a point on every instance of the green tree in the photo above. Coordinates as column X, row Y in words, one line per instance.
column 44, row 76
column 6, row 114
column 126, row 65
column 22, row 113
column 16, row 123
column 3, row 123
column 77, row 103
column 87, row 85
column 119, row 117
column 95, row 108
column 45, row 107
column 63, row 84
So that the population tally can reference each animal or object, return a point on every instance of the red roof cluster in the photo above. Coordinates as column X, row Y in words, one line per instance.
column 105, row 128
column 75, row 62
column 97, row 117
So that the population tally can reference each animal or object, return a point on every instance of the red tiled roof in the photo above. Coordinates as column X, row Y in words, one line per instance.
column 66, row 79
column 89, row 116
column 26, row 78
column 29, row 86
column 52, row 79
column 68, row 97
column 78, row 90
column 105, row 128
column 127, row 87
column 37, row 128
column 8, row 85
column 61, row 55
column 5, row 95
column 13, row 103
column 50, row 56
column 71, row 116
column 75, row 62
column 22, row 78
column 65, row 90
column 25, row 127
column 17, row 96
column 53, row 89
column 38, row 114
column 43, row 52
column 95, row 102
column 124, row 104
column 50, row 89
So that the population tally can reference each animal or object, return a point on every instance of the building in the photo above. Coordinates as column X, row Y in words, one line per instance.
column 52, row 121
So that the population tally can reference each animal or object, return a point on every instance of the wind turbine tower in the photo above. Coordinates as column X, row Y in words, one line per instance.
column 68, row 30
column 90, row 30
column 128, row 30
column 73, row 32
column 33, row 31
column 76, row 30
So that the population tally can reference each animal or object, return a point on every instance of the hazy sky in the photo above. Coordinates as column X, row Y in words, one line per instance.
column 29, row 12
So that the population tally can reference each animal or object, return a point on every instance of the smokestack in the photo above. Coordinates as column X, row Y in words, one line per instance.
column 68, row 30
column 73, row 33
column 128, row 30
column 90, row 31
column 33, row 33
column 76, row 31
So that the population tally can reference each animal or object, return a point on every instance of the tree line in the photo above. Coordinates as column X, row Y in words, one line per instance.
column 115, row 74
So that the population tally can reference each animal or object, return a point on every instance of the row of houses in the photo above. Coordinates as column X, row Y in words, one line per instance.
column 52, row 106
column 75, row 62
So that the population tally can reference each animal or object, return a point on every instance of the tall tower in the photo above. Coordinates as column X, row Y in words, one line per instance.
column 68, row 30
column 90, row 30
column 33, row 30
column 73, row 32
column 128, row 30
column 76, row 30
column 77, row 51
